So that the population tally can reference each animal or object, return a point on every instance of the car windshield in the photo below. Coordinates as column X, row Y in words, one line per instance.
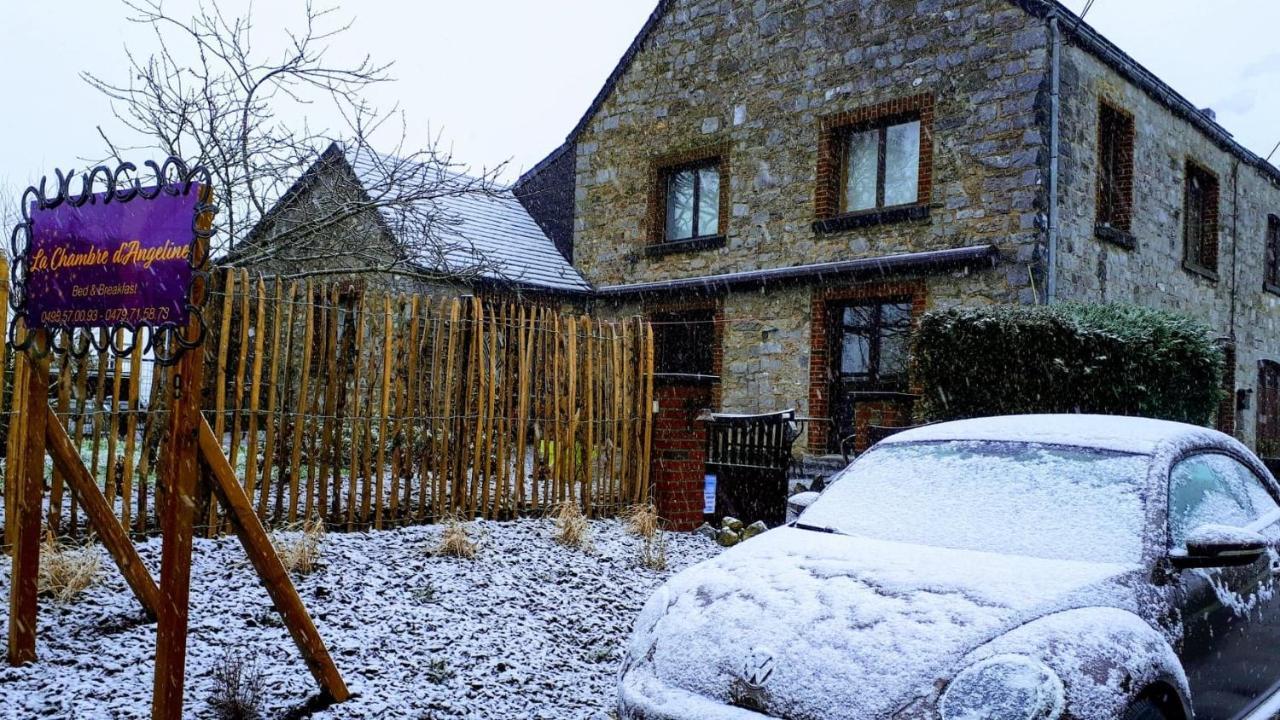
column 1043, row 501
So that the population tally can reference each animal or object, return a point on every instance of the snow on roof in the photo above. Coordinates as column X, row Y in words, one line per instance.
column 1107, row 432
column 494, row 231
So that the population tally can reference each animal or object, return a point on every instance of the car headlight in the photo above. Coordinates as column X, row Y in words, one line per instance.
column 1004, row 687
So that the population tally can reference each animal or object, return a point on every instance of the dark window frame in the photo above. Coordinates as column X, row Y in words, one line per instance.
column 832, row 169
column 1114, row 217
column 881, row 127
column 1268, row 403
column 874, row 381
column 1271, row 255
column 681, row 328
column 661, row 169
column 1200, row 214
column 695, row 167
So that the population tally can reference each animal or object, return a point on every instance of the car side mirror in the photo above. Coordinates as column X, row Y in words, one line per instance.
column 797, row 503
column 1219, row 546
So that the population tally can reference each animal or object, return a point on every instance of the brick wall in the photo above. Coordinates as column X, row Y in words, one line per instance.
column 679, row 453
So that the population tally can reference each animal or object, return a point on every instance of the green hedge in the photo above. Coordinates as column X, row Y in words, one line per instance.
column 1110, row 359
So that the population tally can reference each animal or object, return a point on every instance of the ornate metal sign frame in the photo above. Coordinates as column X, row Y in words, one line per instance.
column 166, row 341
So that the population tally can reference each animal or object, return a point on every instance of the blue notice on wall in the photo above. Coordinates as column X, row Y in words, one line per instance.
column 709, row 495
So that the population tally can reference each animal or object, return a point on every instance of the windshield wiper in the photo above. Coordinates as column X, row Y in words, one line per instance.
column 816, row 528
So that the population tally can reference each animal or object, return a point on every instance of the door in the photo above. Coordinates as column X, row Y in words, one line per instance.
column 1230, row 616
column 870, row 344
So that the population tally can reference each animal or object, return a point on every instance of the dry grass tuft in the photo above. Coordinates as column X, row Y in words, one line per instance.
column 653, row 551
column 572, row 528
column 641, row 520
column 65, row 570
column 237, row 688
column 300, row 550
column 455, row 542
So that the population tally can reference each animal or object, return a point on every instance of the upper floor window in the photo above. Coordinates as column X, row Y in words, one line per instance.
column 882, row 166
column 693, row 201
column 875, row 165
column 1115, row 172
column 1200, row 221
column 688, row 200
column 1272, row 277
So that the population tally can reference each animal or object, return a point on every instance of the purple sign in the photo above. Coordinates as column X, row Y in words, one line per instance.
column 105, row 263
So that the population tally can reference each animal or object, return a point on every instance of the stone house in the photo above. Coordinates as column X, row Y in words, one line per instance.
column 440, row 234
column 784, row 186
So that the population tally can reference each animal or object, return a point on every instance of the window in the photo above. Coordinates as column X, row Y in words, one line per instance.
column 875, row 165
column 873, row 344
column 1115, row 172
column 1213, row 489
column 881, row 166
column 684, row 342
column 1269, row 409
column 693, row 202
column 1271, row 281
column 1200, row 221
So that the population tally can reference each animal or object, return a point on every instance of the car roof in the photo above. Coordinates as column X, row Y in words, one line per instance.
column 1105, row 432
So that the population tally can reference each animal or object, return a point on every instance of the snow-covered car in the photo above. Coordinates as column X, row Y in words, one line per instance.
column 1016, row 568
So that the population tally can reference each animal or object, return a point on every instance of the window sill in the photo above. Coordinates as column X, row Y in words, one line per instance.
column 1199, row 270
column 1115, row 236
column 867, row 218
column 1271, row 288
column 670, row 378
column 659, row 249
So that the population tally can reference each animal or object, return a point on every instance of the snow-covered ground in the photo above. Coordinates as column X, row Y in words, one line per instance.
column 529, row 629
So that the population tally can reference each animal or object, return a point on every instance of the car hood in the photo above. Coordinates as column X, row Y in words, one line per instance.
column 801, row 624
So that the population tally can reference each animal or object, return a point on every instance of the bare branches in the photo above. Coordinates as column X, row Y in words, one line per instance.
column 206, row 93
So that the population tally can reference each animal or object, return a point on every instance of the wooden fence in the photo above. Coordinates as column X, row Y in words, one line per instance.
column 372, row 410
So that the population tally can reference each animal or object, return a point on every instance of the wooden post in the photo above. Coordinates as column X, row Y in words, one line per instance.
column 30, row 498
column 179, row 470
column 270, row 570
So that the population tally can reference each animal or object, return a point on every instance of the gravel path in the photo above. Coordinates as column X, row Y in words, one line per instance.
column 529, row 629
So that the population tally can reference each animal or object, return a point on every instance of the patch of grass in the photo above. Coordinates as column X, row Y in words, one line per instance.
column 572, row 528
column 425, row 594
column 653, row 551
column 66, row 571
column 237, row 688
column 455, row 542
column 300, row 550
column 641, row 520
column 437, row 671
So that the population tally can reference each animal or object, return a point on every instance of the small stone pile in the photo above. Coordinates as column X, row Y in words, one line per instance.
column 732, row 531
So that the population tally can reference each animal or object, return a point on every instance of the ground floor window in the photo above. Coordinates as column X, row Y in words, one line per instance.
column 685, row 342
column 859, row 369
column 1269, row 408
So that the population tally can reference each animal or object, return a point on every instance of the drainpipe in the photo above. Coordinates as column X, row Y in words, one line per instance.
column 1235, row 245
column 1055, row 87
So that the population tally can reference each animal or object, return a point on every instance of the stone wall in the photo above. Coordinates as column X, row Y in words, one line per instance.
column 1152, row 273
column 758, row 78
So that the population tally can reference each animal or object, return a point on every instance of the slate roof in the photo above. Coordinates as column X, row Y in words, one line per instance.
column 497, row 231
column 492, row 231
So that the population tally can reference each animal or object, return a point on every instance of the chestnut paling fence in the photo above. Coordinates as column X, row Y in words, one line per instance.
column 367, row 410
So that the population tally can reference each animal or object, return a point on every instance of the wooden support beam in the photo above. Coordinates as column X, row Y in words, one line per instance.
column 98, row 510
column 270, row 570
column 178, row 472
column 30, row 499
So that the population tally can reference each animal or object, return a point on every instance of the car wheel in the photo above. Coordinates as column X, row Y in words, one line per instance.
column 1145, row 709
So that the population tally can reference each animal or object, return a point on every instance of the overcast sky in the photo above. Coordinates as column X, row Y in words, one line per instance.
column 505, row 80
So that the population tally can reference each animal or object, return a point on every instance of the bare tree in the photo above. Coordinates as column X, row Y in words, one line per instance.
column 207, row 94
